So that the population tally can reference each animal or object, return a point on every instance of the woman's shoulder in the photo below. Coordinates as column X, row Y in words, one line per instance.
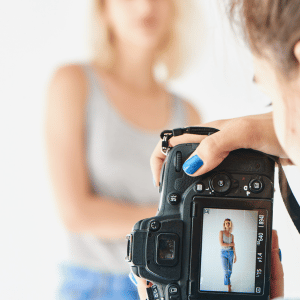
column 68, row 82
column 69, row 74
column 66, row 94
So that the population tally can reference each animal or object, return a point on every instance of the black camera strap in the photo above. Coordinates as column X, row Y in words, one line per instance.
column 288, row 197
column 167, row 134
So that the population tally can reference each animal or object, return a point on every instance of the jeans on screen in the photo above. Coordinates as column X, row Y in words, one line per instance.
column 227, row 261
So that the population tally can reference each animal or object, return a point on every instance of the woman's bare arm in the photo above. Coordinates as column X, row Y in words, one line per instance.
column 221, row 241
column 221, row 238
column 233, row 247
column 80, row 209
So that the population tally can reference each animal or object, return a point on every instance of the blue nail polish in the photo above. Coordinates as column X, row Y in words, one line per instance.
column 280, row 256
column 132, row 278
column 154, row 182
column 192, row 164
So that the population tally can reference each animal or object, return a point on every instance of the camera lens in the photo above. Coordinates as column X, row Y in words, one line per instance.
column 220, row 183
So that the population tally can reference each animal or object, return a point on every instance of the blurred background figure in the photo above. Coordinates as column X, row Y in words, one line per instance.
column 103, row 121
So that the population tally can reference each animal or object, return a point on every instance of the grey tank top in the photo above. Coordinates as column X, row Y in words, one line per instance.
column 227, row 240
column 118, row 157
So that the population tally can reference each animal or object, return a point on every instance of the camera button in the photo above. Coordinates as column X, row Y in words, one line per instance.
column 220, row 183
column 173, row 290
column 178, row 161
column 174, row 199
column 256, row 186
column 200, row 187
column 154, row 225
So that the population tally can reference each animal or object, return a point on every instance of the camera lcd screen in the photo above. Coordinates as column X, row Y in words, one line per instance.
column 233, row 250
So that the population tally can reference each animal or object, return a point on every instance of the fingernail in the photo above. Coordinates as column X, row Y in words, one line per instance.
column 192, row 164
column 280, row 256
column 154, row 182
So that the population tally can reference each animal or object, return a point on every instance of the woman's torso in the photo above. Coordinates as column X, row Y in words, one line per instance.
column 118, row 156
column 227, row 238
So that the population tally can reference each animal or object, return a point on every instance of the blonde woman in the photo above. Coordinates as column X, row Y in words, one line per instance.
column 103, row 120
column 228, row 254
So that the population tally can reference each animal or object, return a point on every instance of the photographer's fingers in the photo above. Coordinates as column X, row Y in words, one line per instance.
column 156, row 162
column 157, row 158
column 142, row 285
column 277, row 276
column 214, row 149
column 255, row 132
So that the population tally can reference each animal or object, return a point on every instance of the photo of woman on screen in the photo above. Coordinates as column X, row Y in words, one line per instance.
column 228, row 254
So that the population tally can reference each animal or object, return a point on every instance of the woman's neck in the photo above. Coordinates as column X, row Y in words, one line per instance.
column 134, row 67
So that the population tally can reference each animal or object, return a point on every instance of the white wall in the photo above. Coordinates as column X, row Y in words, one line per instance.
column 38, row 35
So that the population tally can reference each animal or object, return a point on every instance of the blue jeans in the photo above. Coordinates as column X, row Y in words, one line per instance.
column 227, row 261
column 79, row 283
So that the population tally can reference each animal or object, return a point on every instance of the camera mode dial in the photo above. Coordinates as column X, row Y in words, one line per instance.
column 220, row 183
column 256, row 185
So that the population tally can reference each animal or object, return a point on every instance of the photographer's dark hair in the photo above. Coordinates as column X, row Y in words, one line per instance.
column 270, row 25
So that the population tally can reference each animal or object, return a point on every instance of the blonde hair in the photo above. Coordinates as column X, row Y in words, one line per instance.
column 174, row 54
column 231, row 227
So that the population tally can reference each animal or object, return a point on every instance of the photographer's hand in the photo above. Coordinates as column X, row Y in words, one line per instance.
column 277, row 276
column 142, row 286
column 255, row 132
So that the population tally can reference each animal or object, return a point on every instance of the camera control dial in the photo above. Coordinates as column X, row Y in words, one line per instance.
column 220, row 183
column 256, row 186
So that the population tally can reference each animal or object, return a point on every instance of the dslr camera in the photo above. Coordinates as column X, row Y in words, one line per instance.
column 211, row 236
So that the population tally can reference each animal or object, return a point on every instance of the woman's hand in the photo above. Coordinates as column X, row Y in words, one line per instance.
column 234, row 260
column 142, row 287
column 255, row 132
column 277, row 276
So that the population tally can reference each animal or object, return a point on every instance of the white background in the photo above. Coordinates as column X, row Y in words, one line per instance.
column 245, row 235
column 38, row 35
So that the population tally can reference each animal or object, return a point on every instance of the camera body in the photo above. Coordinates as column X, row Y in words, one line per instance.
column 179, row 250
